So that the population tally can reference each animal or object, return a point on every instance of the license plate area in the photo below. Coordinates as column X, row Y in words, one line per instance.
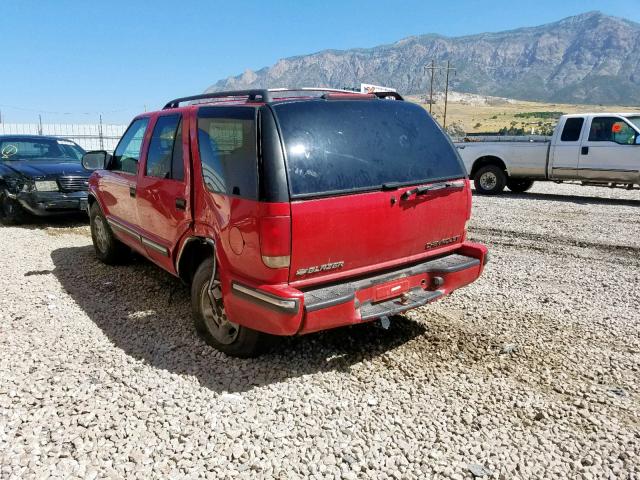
column 390, row 290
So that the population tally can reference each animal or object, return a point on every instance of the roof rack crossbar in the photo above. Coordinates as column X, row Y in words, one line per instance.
column 261, row 95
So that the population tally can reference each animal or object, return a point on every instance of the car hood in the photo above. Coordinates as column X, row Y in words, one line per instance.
column 46, row 168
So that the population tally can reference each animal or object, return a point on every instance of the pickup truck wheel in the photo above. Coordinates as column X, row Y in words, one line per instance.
column 108, row 248
column 211, row 320
column 490, row 180
column 519, row 185
column 11, row 212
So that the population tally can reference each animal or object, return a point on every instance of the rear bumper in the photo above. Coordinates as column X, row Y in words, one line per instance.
column 52, row 203
column 283, row 310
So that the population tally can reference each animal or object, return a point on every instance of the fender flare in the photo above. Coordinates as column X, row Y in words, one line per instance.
column 183, row 246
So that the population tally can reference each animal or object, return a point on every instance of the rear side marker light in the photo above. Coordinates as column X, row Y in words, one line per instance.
column 286, row 304
column 277, row 262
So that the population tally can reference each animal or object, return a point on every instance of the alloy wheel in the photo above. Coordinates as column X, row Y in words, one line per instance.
column 101, row 234
column 215, row 317
column 488, row 181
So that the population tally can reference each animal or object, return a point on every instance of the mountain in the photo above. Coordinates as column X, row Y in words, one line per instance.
column 589, row 58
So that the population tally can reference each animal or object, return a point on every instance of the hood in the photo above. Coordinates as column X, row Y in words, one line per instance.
column 46, row 168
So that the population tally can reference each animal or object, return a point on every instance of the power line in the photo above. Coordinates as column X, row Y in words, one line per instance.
column 432, row 68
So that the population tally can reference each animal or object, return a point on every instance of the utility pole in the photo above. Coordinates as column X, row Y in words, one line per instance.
column 432, row 69
column 446, row 95
column 40, row 124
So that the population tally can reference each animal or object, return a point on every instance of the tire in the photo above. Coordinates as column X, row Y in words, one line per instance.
column 108, row 248
column 212, row 323
column 11, row 212
column 490, row 180
column 519, row 185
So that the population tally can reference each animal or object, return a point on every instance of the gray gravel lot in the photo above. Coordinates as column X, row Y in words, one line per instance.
column 532, row 372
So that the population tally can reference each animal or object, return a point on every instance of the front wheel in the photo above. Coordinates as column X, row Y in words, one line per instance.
column 519, row 185
column 490, row 180
column 11, row 212
column 108, row 248
column 211, row 320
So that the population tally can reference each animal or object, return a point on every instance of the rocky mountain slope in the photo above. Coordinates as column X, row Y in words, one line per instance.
column 589, row 58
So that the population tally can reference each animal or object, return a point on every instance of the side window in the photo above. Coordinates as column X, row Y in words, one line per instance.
column 127, row 154
column 228, row 152
column 162, row 148
column 572, row 129
column 611, row 129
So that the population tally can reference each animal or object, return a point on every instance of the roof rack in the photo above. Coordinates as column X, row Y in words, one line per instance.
column 395, row 95
column 264, row 95
column 261, row 95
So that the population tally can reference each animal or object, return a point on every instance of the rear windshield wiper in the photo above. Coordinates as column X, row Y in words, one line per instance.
column 421, row 190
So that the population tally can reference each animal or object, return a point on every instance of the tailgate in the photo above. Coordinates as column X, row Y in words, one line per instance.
column 366, row 230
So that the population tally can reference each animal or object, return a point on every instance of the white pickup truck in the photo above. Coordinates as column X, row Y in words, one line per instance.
column 593, row 148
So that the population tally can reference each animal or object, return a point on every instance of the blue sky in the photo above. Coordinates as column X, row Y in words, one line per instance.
column 70, row 60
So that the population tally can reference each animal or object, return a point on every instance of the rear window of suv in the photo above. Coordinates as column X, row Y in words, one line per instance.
column 340, row 146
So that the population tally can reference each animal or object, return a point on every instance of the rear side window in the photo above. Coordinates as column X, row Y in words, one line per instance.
column 356, row 145
column 127, row 153
column 164, row 159
column 572, row 129
column 227, row 144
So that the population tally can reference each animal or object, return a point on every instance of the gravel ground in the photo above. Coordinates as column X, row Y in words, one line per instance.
column 532, row 372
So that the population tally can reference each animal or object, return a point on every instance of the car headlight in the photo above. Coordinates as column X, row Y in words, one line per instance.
column 46, row 185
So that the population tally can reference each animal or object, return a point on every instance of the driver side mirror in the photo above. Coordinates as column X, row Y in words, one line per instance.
column 96, row 160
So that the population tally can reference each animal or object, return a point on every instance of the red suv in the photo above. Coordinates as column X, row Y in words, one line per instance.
column 288, row 211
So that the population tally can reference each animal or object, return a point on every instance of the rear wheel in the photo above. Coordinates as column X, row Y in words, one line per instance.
column 211, row 320
column 519, row 185
column 11, row 212
column 490, row 180
column 108, row 248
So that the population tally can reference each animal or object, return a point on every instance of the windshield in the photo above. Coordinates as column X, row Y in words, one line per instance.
column 356, row 145
column 39, row 149
column 635, row 120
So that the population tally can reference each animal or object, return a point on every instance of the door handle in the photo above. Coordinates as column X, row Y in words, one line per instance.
column 585, row 151
column 132, row 191
column 181, row 203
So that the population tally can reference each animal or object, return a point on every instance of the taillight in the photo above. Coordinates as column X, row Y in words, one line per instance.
column 275, row 241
